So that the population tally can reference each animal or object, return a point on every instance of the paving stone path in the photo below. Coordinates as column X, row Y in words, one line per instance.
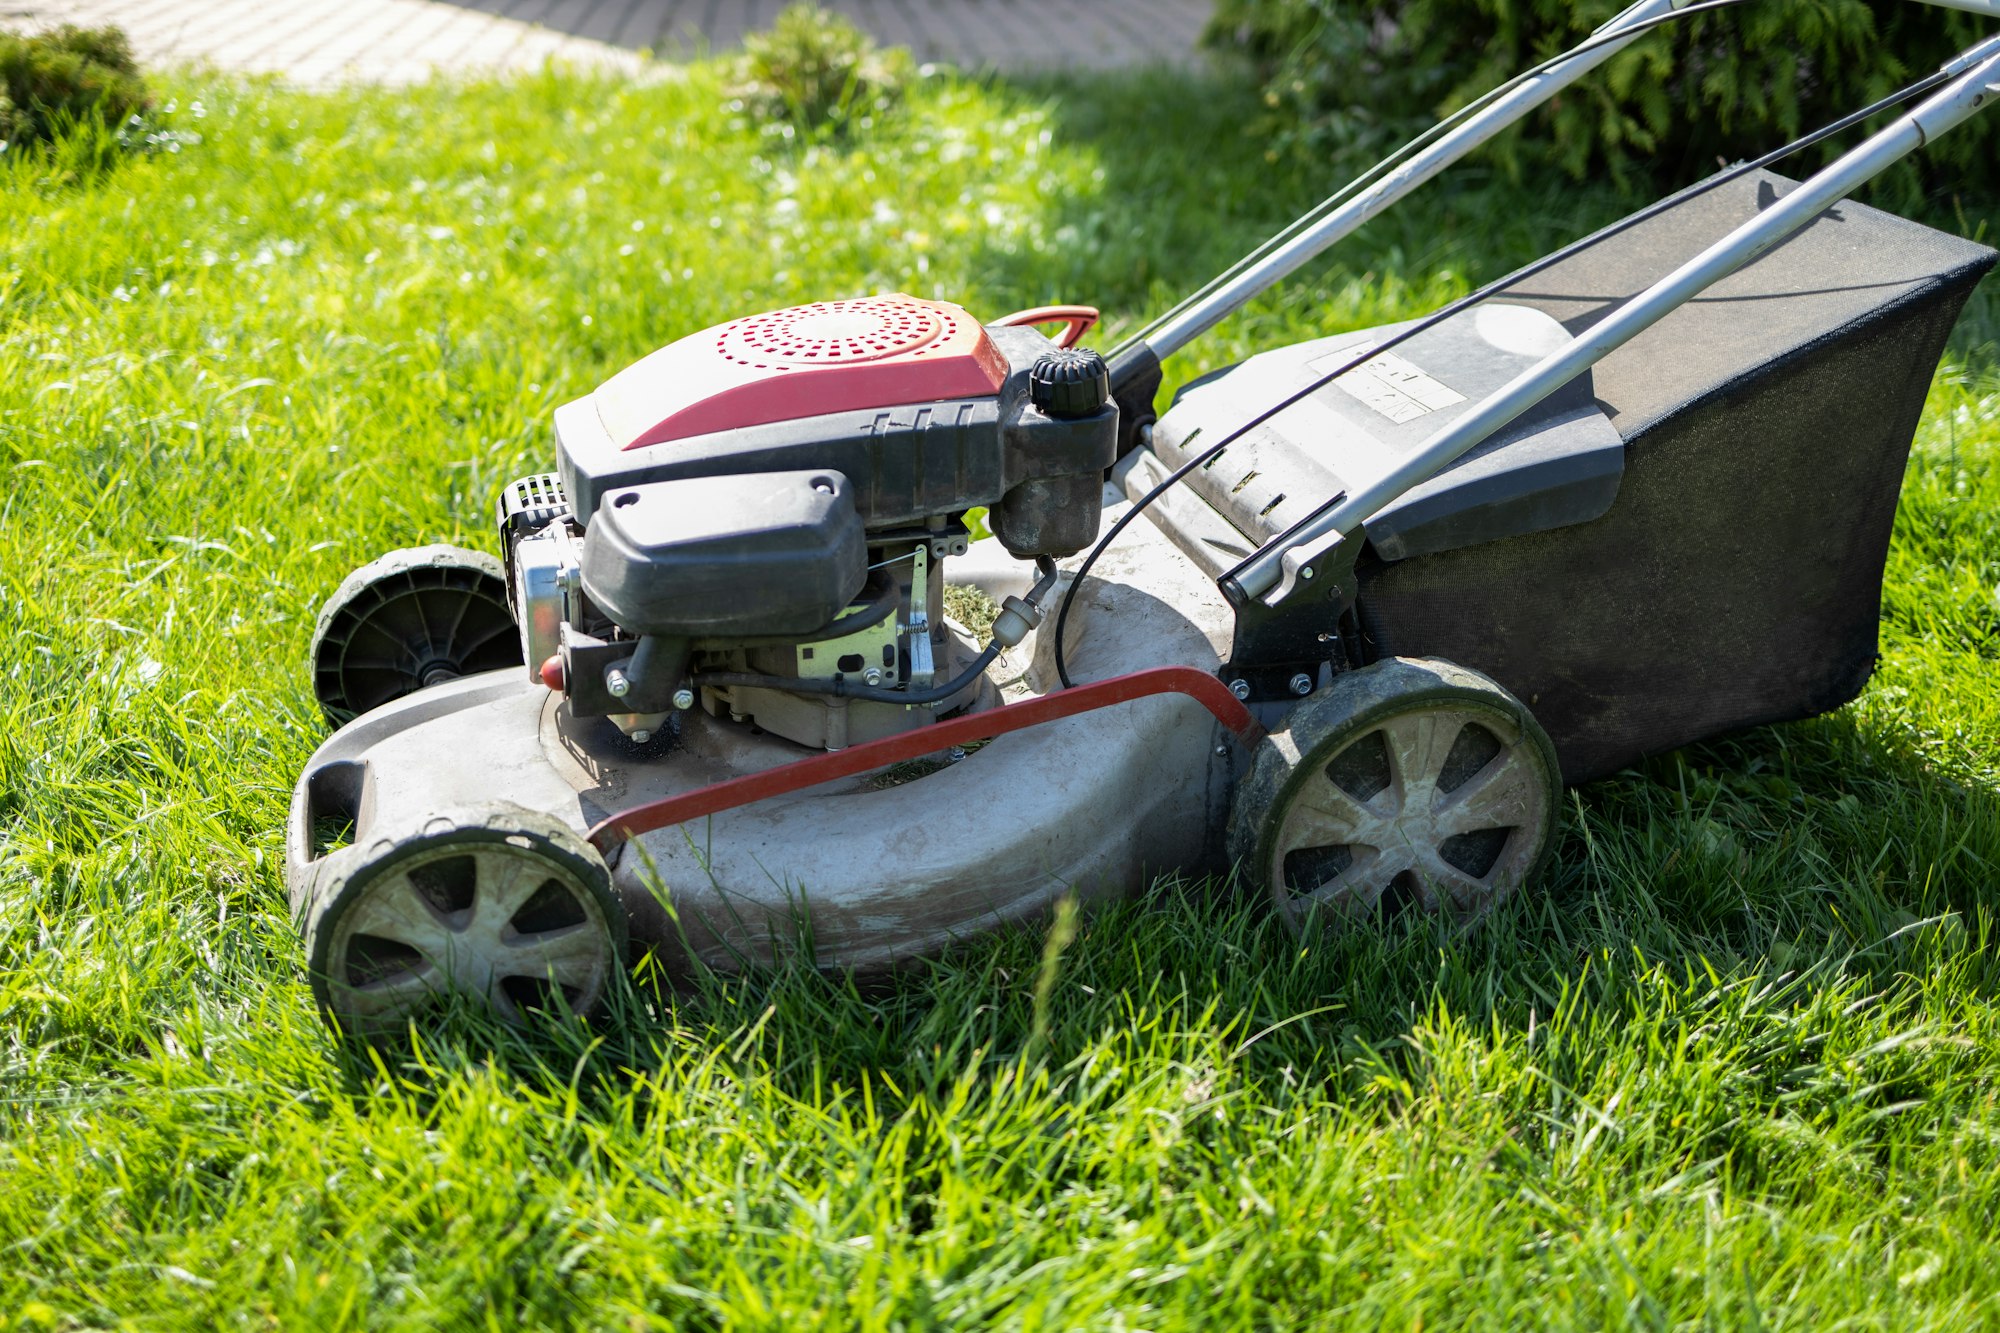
column 323, row 42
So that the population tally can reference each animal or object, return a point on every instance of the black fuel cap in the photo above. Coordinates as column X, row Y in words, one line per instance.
column 1069, row 382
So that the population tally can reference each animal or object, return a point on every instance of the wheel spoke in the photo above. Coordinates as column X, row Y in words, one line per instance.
column 394, row 993
column 1418, row 745
column 1361, row 885
column 467, row 598
column 1442, row 881
column 1504, row 794
column 507, row 879
column 1322, row 815
column 473, row 645
column 571, row 955
column 416, row 601
column 403, row 651
column 372, row 664
column 396, row 911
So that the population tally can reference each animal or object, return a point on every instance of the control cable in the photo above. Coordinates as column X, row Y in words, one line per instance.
column 1410, row 149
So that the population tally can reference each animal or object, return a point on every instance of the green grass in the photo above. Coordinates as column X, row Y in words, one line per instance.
column 1734, row 1064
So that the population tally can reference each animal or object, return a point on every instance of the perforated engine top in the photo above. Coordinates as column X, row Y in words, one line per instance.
column 836, row 332
column 831, row 356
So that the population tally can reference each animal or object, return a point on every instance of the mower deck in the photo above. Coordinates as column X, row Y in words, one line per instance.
column 1097, row 804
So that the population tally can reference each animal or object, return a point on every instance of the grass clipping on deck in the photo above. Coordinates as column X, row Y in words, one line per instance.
column 975, row 612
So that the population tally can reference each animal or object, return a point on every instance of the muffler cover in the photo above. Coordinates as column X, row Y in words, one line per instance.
column 720, row 557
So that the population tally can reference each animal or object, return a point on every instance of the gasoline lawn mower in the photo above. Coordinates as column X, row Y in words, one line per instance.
column 1347, row 615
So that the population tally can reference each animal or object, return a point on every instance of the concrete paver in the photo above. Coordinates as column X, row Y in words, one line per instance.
column 323, row 42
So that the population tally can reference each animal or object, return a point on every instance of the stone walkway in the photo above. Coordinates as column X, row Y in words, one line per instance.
column 323, row 42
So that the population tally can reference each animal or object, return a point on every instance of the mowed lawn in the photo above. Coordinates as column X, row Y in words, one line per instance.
column 1734, row 1062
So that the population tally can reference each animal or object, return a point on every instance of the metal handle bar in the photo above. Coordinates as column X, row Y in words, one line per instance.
column 1233, row 291
column 1275, row 569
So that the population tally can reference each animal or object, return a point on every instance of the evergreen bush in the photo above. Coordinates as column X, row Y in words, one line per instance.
column 817, row 71
column 52, row 82
column 1712, row 87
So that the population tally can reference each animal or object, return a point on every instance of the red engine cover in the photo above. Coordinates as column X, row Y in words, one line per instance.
column 832, row 356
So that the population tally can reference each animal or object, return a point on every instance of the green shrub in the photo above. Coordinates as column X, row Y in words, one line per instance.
column 1718, row 86
column 814, row 70
column 55, row 81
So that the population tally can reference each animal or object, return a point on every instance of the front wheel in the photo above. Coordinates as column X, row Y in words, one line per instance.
column 1407, row 782
column 503, row 907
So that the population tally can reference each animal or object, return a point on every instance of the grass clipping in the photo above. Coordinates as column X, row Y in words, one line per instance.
column 976, row 612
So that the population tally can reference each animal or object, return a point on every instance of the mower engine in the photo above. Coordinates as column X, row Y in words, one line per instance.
column 755, row 517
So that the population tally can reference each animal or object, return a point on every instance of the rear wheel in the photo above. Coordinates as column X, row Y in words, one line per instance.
column 411, row 619
column 1407, row 783
column 503, row 907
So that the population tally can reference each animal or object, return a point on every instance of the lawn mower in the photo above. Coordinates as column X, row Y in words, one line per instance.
column 1346, row 615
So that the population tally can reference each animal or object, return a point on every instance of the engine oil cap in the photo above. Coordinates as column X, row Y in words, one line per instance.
column 1069, row 382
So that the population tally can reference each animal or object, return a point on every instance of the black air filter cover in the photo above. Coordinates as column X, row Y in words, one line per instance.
column 1736, row 577
column 720, row 557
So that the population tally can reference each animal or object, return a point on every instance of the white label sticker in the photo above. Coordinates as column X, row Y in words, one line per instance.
column 1392, row 386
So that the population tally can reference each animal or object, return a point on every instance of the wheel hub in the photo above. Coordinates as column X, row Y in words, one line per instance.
column 1407, row 782
column 1421, row 832
column 495, row 923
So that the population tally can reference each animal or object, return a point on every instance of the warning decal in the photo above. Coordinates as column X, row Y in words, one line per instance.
column 1394, row 387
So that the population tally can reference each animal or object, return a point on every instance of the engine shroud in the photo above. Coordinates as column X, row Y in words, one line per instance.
column 878, row 351
column 925, row 412
column 763, row 554
column 769, row 501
